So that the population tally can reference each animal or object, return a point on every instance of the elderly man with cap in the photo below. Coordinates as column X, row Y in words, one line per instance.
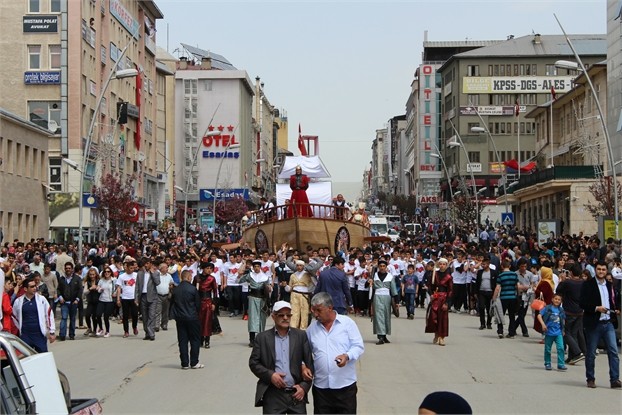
column 277, row 359
column 300, row 285
column 259, row 285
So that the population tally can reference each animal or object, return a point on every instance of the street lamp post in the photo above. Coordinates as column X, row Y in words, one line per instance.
column 438, row 156
column 494, row 146
column 612, row 161
column 222, row 159
column 123, row 73
column 185, row 209
column 469, row 168
column 189, row 175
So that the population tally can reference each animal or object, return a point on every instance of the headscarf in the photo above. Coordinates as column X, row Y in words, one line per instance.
column 546, row 274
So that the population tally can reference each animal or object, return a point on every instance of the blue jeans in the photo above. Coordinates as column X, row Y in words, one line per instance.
column 592, row 336
column 68, row 310
column 409, row 298
column 559, row 343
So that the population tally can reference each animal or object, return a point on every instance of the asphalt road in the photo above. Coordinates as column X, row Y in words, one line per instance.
column 494, row 375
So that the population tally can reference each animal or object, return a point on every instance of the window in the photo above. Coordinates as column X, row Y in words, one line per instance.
column 54, row 56
column 45, row 114
column 473, row 99
column 472, row 124
column 550, row 70
column 472, row 70
column 34, row 56
column 34, row 6
column 54, row 6
column 474, row 157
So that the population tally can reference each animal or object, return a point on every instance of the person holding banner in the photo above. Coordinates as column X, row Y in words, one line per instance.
column 299, row 183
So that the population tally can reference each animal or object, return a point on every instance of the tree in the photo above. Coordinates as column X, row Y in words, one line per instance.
column 230, row 210
column 603, row 205
column 465, row 210
column 115, row 200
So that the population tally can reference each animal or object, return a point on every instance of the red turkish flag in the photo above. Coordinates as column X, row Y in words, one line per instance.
column 301, row 144
column 135, row 212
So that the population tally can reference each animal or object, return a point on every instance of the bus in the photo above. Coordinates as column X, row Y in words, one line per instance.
column 378, row 226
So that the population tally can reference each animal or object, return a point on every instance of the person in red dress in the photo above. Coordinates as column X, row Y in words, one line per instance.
column 208, row 291
column 299, row 183
column 437, row 318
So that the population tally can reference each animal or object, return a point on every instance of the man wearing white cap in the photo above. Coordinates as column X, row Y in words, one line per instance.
column 301, row 285
column 277, row 358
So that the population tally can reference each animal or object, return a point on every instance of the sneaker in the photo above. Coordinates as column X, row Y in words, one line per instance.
column 136, row 332
column 482, row 327
column 197, row 366
column 126, row 334
column 106, row 335
column 489, row 326
column 245, row 317
column 562, row 368
column 87, row 332
column 185, row 367
column 576, row 359
column 231, row 315
column 510, row 336
column 99, row 333
column 525, row 334
column 548, row 367
column 500, row 336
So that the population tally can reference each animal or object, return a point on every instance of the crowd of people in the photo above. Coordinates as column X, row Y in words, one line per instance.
column 567, row 290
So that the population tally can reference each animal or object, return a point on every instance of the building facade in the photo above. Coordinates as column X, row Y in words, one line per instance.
column 59, row 62
column 24, row 182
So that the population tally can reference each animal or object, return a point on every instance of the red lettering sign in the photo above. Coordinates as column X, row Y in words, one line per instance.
column 427, row 167
column 426, row 145
column 221, row 140
column 427, row 70
column 427, row 94
column 427, row 119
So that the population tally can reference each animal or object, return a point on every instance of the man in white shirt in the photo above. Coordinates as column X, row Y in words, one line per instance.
column 233, row 289
column 164, row 294
column 336, row 344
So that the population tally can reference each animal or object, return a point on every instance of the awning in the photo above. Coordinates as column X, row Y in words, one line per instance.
column 70, row 218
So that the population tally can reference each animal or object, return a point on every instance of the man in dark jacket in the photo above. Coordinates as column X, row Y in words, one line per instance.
column 277, row 359
column 69, row 295
column 185, row 309
column 333, row 281
column 485, row 284
column 599, row 314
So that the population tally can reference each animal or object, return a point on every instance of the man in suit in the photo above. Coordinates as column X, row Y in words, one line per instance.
column 333, row 281
column 599, row 313
column 146, row 295
column 69, row 293
column 277, row 358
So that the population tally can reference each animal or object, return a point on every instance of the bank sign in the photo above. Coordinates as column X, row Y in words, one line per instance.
column 207, row 195
column 516, row 84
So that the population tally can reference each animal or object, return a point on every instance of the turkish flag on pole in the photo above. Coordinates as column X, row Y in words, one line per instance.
column 553, row 94
column 516, row 108
column 301, row 144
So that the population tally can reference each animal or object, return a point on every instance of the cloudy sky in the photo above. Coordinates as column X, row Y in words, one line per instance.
column 343, row 68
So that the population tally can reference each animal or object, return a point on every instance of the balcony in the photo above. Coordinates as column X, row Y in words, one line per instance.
column 553, row 173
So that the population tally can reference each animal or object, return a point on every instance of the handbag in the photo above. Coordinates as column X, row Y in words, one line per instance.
column 396, row 308
column 538, row 304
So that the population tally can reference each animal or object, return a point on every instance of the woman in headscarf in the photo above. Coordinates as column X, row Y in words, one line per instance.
column 299, row 183
column 544, row 292
column 437, row 316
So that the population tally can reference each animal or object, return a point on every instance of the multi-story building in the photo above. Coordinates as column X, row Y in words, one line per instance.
column 59, row 55
column 24, row 183
column 558, row 194
column 614, row 78
column 217, row 149
column 423, row 120
column 484, row 88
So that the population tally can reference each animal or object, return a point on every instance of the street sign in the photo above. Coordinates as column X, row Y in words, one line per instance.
column 507, row 219
column 417, row 211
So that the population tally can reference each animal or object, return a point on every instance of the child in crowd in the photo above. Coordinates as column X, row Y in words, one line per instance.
column 552, row 319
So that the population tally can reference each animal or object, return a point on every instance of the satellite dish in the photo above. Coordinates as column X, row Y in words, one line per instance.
column 52, row 126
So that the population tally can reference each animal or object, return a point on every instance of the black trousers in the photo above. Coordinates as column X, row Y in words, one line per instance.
column 335, row 401
column 277, row 401
column 130, row 309
column 483, row 304
column 510, row 307
column 104, row 309
column 521, row 312
column 188, row 332
column 459, row 297
column 235, row 294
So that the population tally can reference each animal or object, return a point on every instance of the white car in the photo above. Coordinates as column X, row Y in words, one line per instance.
column 394, row 235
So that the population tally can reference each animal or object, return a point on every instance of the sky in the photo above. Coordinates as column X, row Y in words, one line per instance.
column 341, row 69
